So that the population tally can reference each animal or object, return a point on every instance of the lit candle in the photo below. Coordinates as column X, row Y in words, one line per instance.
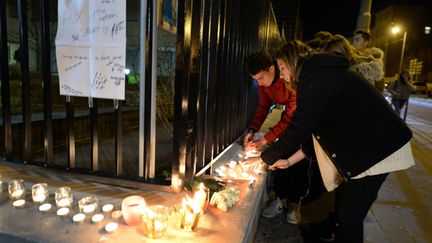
column 63, row 211
column 111, row 227
column 89, row 208
column 190, row 214
column 17, row 193
column 88, row 204
column 19, row 203
column 232, row 164
column 107, row 208
column 64, row 202
column 201, row 197
column 154, row 221
column 39, row 192
column 45, row 207
column 116, row 214
column 97, row 218
column 79, row 218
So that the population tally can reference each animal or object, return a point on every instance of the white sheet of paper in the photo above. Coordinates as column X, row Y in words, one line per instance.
column 91, row 48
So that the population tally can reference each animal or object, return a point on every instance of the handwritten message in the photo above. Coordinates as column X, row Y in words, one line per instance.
column 91, row 48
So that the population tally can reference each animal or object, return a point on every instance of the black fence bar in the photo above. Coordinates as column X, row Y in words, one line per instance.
column 25, row 79
column 70, row 134
column 148, row 89
column 118, row 137
column 5, row 88
column 94, row 138
column 46, row 74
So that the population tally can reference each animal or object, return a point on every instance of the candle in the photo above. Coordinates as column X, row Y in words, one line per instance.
column 45, row 207
column 107, row 208
column 189, row 215
column 63, row 197
column 111, row 227
column 16, row 189
column 97, row 218
column 19, row 203
column 39, row 192
column 154, row 221
column 232, row 164
column 78, row 218
column 116, row 214
column 201, row 197
column 132, row 208
column 88, row 204
column 63, row 211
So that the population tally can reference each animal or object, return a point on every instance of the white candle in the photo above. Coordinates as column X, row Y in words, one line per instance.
column 111, row 227
column 39, row 198
column 97, row 218
column 45, row 207
column 107, row 208
column 64, row 202
column 89, row 208
column 63, row 211
column 19, row 203
column 17, row 193
column 232, row 164
column 200, row 196
column 116, row 214
column 78, row 218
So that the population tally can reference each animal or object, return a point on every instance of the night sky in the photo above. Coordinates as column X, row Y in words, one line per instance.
column 339, row 16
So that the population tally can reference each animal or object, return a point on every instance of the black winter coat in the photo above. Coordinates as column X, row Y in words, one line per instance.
column 351, row 120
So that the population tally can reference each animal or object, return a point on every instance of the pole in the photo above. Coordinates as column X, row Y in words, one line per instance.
column 406, row 110
column 402, row 52
column 364, row 17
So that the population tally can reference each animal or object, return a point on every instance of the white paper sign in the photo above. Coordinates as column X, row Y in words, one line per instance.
column 91, row 48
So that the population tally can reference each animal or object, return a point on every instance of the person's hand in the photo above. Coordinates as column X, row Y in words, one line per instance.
column 259, row 144
column 280, row 164
column 247, row 141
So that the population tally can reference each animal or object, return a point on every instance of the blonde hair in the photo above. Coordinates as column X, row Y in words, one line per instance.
column 292, row 54
column 340, row 44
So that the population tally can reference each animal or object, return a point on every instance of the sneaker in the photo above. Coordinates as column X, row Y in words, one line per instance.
column 293, row 215
column 273, row 209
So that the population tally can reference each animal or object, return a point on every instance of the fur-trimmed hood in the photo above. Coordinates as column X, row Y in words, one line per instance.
column 370, row 67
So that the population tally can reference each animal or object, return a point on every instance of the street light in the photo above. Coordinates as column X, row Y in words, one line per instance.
column 396, row 30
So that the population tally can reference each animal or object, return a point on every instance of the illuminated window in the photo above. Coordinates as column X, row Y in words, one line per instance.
column 427, row 30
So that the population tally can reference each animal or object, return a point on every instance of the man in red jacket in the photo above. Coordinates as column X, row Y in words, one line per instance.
column 289, row 185
column 272, row 89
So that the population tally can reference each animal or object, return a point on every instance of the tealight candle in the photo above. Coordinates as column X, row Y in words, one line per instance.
column 19, row 203
column 97, row 218
column 88, row 204
column 16, row 189
column 79, row 218
column 154, row 221
column 45, row 207
column 188, row 215
column 39, row 192
column 232, row 164
column 107, row 208
column 201, row 197
column 63, row 211
column 63, row 197
column 111, row 227
column 116, row 214
column 132, row 208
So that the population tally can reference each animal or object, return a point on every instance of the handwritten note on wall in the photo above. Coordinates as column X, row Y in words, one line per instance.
column 91, row 48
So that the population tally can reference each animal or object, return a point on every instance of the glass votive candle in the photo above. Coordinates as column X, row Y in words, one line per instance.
column 202, row 196
column 16, row 189
column 186, row 218
column 39, row 192
column 154, row 221
column 132, row 208
column 63, row 197
column 88, row 204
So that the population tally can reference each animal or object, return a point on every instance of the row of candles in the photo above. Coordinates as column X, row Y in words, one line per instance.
column 151, row 220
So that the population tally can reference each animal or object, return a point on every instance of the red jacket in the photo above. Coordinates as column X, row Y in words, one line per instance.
column 279, row 94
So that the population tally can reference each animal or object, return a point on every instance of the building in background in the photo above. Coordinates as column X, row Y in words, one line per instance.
column 416, row 21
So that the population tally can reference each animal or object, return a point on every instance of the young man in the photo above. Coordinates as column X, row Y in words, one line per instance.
column 273, row 90
column 400, row 91
column 361, row 40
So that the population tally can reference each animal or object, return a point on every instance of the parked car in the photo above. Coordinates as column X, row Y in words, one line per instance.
column 419, row 87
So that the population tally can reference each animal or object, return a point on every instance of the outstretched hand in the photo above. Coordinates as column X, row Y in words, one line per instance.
column 280, row 164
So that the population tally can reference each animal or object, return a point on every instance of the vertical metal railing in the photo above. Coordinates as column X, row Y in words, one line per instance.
column 5, row 88
column 25, row 79
column 46, row 74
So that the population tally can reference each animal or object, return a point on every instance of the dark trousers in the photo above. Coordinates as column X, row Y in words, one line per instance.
column 398, row 105
column 295, row 182
column 353, row 200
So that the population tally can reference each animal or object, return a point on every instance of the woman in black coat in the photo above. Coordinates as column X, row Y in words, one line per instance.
column 355, row 132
